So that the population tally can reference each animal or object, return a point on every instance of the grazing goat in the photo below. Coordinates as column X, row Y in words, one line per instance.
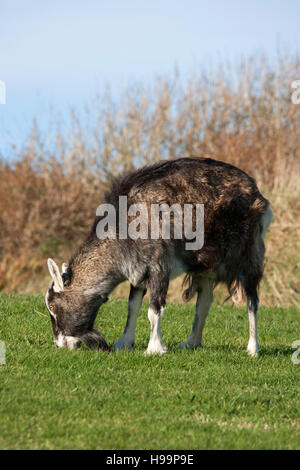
column 236, row 218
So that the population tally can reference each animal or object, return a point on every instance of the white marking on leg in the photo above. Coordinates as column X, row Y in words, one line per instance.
column 134, row 305
column 204, row 301
column 253, row 346
column 252, row 306
column 155, row 345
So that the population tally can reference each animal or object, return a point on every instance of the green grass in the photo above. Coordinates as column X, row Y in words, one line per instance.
column 215, row 397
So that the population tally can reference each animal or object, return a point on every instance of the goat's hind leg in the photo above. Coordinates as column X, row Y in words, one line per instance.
column 252, row 307
column 252, row 284
column 251, row 287
column 204, row 301
column 134, row 304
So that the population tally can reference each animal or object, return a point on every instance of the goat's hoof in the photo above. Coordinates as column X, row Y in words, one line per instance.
column 121, row 344
column 253, row 353
column 253, row 349
column 188, row 345
column 155, row 350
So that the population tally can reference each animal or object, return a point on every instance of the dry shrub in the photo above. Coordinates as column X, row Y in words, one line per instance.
column 242, row 115
column 41, row 214
column 281, row 283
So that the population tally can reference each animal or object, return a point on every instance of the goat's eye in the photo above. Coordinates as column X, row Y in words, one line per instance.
column 51, row 307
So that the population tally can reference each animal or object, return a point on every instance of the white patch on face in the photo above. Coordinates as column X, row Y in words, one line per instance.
column 72, row 342
column 62, row 341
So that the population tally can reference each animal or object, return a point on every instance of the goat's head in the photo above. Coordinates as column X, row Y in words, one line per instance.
column 72, row 313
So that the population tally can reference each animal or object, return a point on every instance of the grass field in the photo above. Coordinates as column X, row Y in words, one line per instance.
column 215, row 397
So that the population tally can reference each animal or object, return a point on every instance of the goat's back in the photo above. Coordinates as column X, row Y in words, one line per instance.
column 233, row 205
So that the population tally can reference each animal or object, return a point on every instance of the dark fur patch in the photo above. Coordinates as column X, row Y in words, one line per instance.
column 233, row 211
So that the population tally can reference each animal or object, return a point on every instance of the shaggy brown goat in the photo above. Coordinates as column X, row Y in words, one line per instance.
column 229, row 248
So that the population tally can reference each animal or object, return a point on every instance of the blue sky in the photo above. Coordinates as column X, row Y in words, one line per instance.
column 61, row 53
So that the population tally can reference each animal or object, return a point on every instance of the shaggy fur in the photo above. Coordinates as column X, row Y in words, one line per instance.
column 236, row 217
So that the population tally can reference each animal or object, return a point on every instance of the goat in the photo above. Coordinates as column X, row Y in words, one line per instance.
column 236, row 218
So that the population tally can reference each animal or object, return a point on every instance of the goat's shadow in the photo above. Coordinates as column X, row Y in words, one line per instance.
column 275, row 351
column 263, row 352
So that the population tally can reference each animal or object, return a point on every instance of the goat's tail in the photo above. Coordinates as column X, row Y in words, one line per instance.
column 191, row 284
column 247, row 278
column 242, row 280
column 236, row 292
column 236, row 289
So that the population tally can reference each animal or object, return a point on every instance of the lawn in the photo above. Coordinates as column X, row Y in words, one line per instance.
column 215, row 397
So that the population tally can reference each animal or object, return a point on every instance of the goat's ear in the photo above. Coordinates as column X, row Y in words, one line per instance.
column 56, row 276
column 64, row 272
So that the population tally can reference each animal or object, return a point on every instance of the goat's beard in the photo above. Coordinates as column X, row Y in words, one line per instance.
column 94, row 340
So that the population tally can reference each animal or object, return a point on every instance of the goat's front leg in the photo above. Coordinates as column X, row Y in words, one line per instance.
column 158, row 293
column 134, row 304
column 204, row 301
